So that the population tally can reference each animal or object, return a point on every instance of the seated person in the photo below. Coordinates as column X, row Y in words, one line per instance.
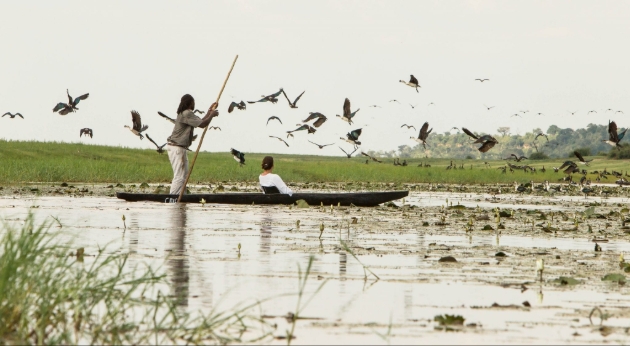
column 272, row 183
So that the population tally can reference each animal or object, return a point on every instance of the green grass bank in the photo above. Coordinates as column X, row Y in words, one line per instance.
column 24, row 161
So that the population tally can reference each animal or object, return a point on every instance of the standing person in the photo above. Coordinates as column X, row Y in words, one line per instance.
column 269, row 182
column 181, row 138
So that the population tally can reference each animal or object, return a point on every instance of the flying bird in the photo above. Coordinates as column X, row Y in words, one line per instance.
column 375, row 106
column 517, row 158
column 274, row 118
column 238, row 156
column 321, row 146
column 422, row 136
column 209, row 128
column 240, row 106
column 412, row 106
column 413, row 82
column 394, row 101
column 372, row 157
column 489, row 108
column 348, row 155
column 160, row 148
column 304, row 127
column 273, row 98
column 13, row 115
column 541, row 134
column 316, row 115
column 137, row 128
column 71, row 106
column 572, row 113
column 591, row 111
column 294, row 103
column 85, row 131
column 353, row 137
column 487, row 140
column 613, row 137
column 579, row 156
column 280, row 139
column 482, row 79
column 408, row 126
column 515, row 115
column 347, row 113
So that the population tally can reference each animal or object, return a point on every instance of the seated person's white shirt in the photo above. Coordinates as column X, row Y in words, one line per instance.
column 274, row 180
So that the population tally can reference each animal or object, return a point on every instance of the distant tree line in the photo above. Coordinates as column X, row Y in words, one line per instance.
column 558, row 143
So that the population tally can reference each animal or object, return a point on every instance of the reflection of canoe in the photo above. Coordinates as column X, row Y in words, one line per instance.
column 364, row 199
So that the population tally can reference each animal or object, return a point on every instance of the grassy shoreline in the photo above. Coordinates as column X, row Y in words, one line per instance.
column 33, row 162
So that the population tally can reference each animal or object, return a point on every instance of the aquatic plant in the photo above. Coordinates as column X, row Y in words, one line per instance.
column 50, row 297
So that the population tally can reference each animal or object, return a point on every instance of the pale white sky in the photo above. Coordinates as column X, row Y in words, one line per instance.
column 542, row 56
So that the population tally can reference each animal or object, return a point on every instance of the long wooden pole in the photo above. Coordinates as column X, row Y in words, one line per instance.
column 181, row 194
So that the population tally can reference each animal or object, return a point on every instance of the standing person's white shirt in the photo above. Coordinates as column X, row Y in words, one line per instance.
column 271, row 179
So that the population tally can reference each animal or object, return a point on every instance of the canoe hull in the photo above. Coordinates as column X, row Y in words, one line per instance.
column 363, row 199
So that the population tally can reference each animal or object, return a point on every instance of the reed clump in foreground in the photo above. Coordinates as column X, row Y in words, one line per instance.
column 52, row 297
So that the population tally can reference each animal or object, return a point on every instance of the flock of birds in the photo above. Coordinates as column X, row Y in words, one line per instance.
column 316, row 119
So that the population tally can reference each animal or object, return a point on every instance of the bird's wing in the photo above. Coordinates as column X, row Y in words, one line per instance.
column 137, row 122
column 343, row 150
column 283, row 141
column 69, row 97
column 274, row 95
column 65, row 110
column 413, row 79
column 90, row 132
column 314, row 143
column 19, row 115
column 166, row 117
column 578, row 155
column 235, row 152
column 466, row 131
column 311, row 116
column 81, row 133
column 82, row 97
column 346, row 108
column 59, row 106
column 287, row 97
column 320, row 121
column 297, row 98
column 486, row 146
column 231, row 107
column 356, row 133
column 612, row 132
column 403, row 125
column 152, row 141
column 423, row 131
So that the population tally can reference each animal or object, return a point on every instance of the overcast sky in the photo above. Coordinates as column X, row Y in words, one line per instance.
column 543, row 56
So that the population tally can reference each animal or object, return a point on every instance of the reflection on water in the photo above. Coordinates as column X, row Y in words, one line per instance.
column 178, row 263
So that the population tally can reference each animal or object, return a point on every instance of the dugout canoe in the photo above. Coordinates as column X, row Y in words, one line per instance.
column 362, row 199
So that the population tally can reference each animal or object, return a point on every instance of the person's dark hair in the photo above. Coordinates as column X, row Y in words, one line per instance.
column 267, row 163
column 187, row 102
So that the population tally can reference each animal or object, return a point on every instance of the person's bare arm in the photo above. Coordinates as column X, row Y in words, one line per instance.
column 212, row 112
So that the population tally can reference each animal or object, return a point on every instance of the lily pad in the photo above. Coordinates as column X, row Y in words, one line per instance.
column 500, row 254
column 566, row 280
column 447, row 259
column 457, row 207
column 488, row 228
column 301, row 203
column 589, row 211
column 614, row 278
column 449, row 320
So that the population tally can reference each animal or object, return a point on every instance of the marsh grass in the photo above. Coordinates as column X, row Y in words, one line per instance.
column 68, row 162
column 51, row 296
